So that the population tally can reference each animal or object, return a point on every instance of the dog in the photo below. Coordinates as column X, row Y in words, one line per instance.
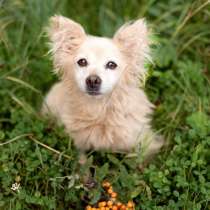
column 98, row 98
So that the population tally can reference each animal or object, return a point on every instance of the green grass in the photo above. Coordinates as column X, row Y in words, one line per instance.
column 38, row 154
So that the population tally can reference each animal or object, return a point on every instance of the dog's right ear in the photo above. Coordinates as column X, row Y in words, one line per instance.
column 133, row 40
column 65, row 36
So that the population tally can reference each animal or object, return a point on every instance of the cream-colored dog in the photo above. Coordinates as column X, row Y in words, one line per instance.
column 98, row 98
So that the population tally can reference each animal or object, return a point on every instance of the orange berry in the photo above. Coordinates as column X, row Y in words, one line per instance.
column 109, row 203
column 102, row 208
column 114, row 207
column 102, row 204
column 88, row 207
column 130, row 204
column 119, row 204
column 107, row 208
column 109, row 188
column 113, row 194
column 110, row 191
column 106, row 184
column 123, row 207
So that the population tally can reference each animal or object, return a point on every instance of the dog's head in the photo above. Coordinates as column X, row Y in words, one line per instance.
column 98, row 65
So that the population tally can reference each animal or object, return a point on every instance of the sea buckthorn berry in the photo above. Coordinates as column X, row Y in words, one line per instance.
column 106, row 184
column 119, row 204
column 102, row 204
column 88, row 207
column 112, row 203
column 113, row 194
column 110, row 190
column 130, row 204
column 109, row 203
column 114, row 207
column 123, row 207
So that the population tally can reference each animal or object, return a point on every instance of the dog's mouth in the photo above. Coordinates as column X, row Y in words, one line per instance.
column 93, row 93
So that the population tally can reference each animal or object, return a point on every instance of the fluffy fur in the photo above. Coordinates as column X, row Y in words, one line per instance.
column 119, row 118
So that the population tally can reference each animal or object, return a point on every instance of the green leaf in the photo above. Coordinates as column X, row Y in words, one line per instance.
column 102, row 172
column 200, row 122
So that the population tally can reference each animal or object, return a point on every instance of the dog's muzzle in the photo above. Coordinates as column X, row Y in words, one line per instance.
column 93, row 84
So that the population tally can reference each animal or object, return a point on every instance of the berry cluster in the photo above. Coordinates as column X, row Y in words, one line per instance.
column 112, row 203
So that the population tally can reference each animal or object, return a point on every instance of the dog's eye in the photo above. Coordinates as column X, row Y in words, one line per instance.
column 82, row 62
column 111, row 65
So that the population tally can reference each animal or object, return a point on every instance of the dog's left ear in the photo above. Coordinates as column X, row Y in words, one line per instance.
column 133, row 40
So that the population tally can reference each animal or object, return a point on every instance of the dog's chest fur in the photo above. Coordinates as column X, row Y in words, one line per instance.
column 95, row 124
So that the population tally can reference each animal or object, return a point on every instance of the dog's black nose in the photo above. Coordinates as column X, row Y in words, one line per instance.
column 93, row 83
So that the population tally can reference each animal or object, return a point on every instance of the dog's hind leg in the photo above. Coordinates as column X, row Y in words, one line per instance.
column 151, row 145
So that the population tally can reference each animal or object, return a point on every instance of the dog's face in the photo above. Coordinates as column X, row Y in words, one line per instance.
column 98, row 64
